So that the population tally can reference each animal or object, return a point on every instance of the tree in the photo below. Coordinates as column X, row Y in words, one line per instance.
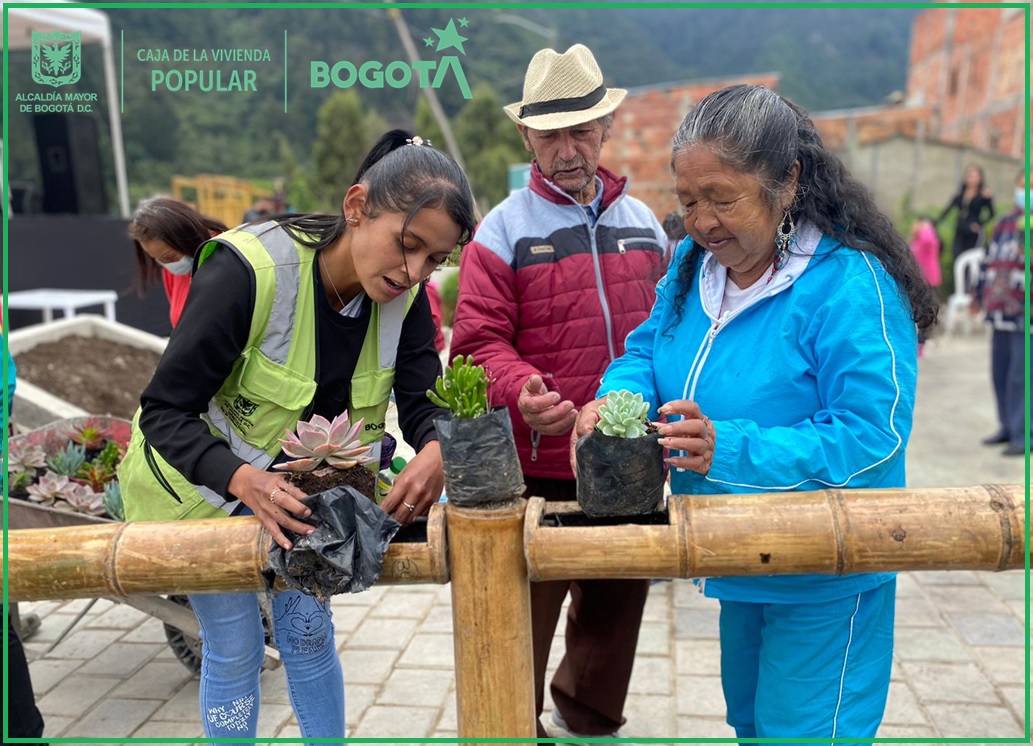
column 490, row 143
column 344, row 134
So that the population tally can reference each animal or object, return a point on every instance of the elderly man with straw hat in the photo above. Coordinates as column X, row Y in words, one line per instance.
column 556, row 277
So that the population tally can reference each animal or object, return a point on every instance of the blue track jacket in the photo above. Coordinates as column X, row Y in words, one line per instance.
column 810, row 386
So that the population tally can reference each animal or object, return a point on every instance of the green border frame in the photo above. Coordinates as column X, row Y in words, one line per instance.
column 1025, row 6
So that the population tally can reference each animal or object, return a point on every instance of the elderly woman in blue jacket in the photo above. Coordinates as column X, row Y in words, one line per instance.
column 782, row 352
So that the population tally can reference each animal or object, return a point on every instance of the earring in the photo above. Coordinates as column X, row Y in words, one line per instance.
column 783, row 236
column 352, row 220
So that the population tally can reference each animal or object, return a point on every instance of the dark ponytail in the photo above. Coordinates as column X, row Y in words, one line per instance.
column 400, row 177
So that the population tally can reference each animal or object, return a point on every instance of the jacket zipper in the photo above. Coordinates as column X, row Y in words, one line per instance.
column 153, row 466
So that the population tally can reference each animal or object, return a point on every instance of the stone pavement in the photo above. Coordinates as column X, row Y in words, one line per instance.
column 959, row 668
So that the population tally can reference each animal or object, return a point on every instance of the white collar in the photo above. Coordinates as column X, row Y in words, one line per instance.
column 714, row 275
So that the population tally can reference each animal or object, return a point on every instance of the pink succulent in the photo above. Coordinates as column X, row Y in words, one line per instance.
column 320, row 440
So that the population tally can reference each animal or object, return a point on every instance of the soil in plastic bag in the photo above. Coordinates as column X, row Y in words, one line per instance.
column 345, row 554
column 480, row 456
column 619, row 476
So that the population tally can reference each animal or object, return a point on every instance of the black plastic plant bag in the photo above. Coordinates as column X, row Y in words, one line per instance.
column 619, row 476
column 345, row 554
column 480, row 456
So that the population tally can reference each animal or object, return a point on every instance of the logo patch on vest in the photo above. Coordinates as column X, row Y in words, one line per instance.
column 244, row 405
column 543, row 249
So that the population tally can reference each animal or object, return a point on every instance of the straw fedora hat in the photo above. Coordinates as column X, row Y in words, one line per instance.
column 561, row 90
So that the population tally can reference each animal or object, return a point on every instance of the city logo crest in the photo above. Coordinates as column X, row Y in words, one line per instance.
column 56, row 58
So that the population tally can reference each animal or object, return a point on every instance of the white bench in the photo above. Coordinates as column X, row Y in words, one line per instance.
column 68, row 301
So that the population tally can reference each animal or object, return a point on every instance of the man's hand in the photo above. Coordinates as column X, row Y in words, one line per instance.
column 543, row 410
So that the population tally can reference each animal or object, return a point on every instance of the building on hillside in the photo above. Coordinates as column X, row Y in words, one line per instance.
column 968, row 64
column 644, row 126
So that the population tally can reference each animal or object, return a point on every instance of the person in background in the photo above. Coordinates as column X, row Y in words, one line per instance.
column 24, row 720
column 925, row 245
column 299, row 316
column 166, row 235
column 557, row 276
column 674, row 228
column 263, row 208
column 975, row 207
column 1000, row 292
column 782, row 354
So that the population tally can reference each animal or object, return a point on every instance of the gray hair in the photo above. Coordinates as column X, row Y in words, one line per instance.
column 750, row 128
column 755, row 131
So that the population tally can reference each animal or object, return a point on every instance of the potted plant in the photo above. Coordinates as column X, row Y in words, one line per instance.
column 345, row 553
column 620, row 467
column 325, row 453
column 65, row 473
column 477, row 446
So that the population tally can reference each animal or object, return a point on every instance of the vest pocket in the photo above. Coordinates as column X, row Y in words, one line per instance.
column 268, row 398
column 370, row 396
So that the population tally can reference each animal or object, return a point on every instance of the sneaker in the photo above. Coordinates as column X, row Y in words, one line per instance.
column 560, row 725
column 996, row 439
column 1014, row 449
column 28, row 625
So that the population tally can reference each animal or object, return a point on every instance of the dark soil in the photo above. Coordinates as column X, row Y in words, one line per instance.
column 359, row 477
column 98, row 375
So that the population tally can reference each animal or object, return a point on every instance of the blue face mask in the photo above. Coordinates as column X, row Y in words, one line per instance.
column 1020, row 197
column 180, row 266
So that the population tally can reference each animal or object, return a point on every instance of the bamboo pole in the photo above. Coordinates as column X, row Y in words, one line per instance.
column 491, row 621
column 218, row 555
column 828, row 532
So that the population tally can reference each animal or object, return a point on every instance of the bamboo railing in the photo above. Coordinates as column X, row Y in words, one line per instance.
column 492, row 552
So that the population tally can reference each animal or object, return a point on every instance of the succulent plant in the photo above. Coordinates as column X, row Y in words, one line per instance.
column 90, row 436
column 111, row 455
column 320, row 440
column 94, row 474
column 462, row 389
column 68, row 460
column 17, row 482
column 623, row 415
column 50, row 488
column 25, row 458
column 113, row 500
column 83, row 499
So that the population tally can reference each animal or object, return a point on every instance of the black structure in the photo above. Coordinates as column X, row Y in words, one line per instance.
column 69, row 161
column 80, row 253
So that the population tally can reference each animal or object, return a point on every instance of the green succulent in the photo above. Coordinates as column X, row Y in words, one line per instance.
column 462, row 389
column 111, row 455
column 113, row 501
column 623, row 415
column 68, row 460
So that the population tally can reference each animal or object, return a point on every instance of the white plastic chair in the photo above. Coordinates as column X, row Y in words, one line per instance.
column 966, row 273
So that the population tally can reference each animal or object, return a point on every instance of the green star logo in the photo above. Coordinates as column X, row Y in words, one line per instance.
column 463, row 23
column 428, row 41
column 449, row 37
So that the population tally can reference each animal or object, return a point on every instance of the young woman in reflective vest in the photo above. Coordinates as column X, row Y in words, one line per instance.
column 301, row 315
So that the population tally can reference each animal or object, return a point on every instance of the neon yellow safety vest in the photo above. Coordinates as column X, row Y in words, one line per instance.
column 273, row 381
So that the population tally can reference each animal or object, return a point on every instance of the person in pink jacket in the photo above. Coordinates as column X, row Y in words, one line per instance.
column 925, row 245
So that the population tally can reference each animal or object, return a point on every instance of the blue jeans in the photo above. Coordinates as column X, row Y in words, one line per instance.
column 808, row 670
column 231, row 660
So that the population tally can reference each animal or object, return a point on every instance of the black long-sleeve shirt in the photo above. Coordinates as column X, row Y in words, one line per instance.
column 977, row 210
column 212, row 333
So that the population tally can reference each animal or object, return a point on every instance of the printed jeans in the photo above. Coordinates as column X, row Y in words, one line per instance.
column 232, row 654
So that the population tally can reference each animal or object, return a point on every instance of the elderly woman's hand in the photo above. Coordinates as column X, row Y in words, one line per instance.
column 417, row 487
column 693, row 434
column 585, row 423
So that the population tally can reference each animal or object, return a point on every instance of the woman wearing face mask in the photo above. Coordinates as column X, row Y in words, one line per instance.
column 167, row 234
column 298, row 316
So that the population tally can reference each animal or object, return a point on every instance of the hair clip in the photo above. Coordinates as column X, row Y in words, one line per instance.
column 417, row 141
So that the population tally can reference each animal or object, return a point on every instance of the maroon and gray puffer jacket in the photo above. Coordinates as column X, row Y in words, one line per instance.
column 542, row 291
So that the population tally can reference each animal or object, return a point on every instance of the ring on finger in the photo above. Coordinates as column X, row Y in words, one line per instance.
column 409, row 507
column 272, row 495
